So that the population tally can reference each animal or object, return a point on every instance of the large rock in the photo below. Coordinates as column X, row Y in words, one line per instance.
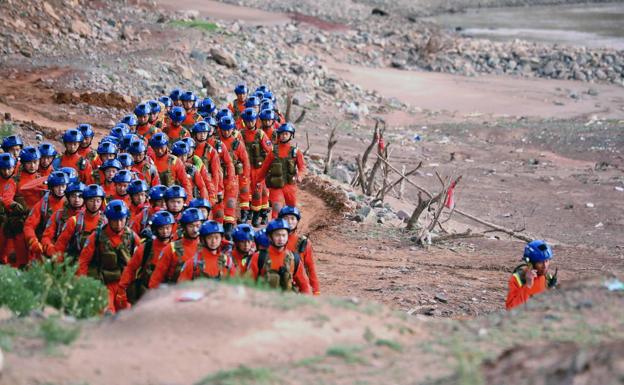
column 341, row 174
column 223, row 57
column 210, row 84
column 80, row 28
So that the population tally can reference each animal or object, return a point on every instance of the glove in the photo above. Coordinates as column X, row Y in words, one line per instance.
column 17, row 207
column 35, row 247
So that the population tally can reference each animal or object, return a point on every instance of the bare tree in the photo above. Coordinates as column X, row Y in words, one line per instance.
column 330, row 149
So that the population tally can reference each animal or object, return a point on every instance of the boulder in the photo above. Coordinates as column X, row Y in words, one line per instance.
column 210, row 84
column 80, row 28
column 224, row 58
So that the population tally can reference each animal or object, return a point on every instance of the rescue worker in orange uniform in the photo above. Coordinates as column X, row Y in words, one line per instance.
column 110, row 247
column 203, row 205
column 71, row 158
column 171, row 170
column 238, row 153
column 105, row 151
column 131, row 122
column 189, row 102
column 238, row 105
column 140, row 221
column 172, row 257
column 73, row 205
column 137, row 190
column 175, row 97
column 194, row 164
column 209, row 261
column 143, row 165
column 532, row 277
column 104, row 175
column 301, row 245
column 122, row 180
column 175, row 199
column 280, row 267
column 211, row 158
column 13, row 144
column 174, row 128
column 156, row 115
column 78, row 228
column 268, row 123
column 182, row 150
column 85, row 149
column 48, row 153
column 258, row 145
column 283, row 167
column 41, row 213
column 136, row 275
column 207, row 108
column 243, row 252
column 27, row 172
column 144, row 128
column 167, row 105
column 10, row 210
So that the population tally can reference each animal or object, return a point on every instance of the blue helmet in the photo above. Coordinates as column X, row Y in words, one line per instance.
column 174, row 192
column 200, row 202
column 137, row 146
column 154, row 106
column 286, row 127
column 262, row 239
column 162, row 218
column 110, row 139
column 125, row 142
column 107, row 148
column 252, row 101
column 159, row 139
column 259, row 95
column 7, row 161
column 11, row 141
column 267, row 114
column 78, row 187
column 267, row 105
column 223, row 112
column 47, row 149
column 137, row 186
column 243, row 232
column 157, row 192
column 86, row 129
column 190, row 142
column 116, row 210
column 268, row 95
column 188, row 96
column 175, row 94
column 142, row 109
column 180, row 148
column 123, row 176
column 125, row 159
column 177, row 114
column 94, row 191
column 119, row 131
column 130, row 120
column 241, row 89
column 191, row 215
column 249, row 115
column 207, row 106
column 201, row 126
column 71, row 173
column 29, row 154
column 289, row 210
column 262, row 88
column 212, row 122
column 73, row 136
column 227, row 123
column 277, row 224
column 56, row 178
column 210, row 227
column 537, row 251
column 166, row 100
column 114, row 163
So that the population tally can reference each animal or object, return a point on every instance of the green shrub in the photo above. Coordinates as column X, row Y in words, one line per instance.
column 54, row 333
column 199, row 24
column 14, row 293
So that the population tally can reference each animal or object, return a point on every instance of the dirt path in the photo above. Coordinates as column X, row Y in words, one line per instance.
column 218, row 10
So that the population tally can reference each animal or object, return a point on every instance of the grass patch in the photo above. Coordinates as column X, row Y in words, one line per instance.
column 198, row 24
column 390, row 344
column 54, row 333
column 347, row 352
column 242, row 375
column 7, row 129
column 309, row 361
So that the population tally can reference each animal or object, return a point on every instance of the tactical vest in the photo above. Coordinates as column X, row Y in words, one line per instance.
column 256, row 151
column 186, row 127
column 96, row 177
column 191, row 170
column 111, row 261
column 223, row 261
column 60, row 218
column 81, row 164
column 146, row 171
column 45, row 214
column 166, row 177
column 238, row 164
column 282, row 277
column 145, row 270
column 79, row 237
column 282, row 170
column 205, row 158
column 519, row 276
column 178, row 253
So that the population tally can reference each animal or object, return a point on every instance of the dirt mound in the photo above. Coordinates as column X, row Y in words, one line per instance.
column 166, row 341
column 558, row 363
column 102, row 99
column 334, row 196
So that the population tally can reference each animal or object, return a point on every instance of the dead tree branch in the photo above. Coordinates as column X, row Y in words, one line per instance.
column 330, row 150
column 289, row 98
column 307, row 150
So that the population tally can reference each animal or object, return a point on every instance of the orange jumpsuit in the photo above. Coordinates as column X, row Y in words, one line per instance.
column 74, row 161
column 55, row 226
column 199, row 183
column 307, row 258
column 288, row 193
column 238, row 153
column 10, row 251
column 129, row 274
column 277, row 260
column 192, row 117
column 193, row 268
column 175, row 133
column 170, row 261
column 88, row 252
column 22, row 178
column 91, row 221
column 140, row 220
column 210, row 157
column 242, row 260
column 237, row 107
column 88, row 153
column 270, row 132
column 30, row 198
column 259, row 191
column 36, row 222
column 125, row 198
column 45, row 171
column 230, row 184
column 519, row 293
column 178, row 171
column 146, row 131
column 147, row 171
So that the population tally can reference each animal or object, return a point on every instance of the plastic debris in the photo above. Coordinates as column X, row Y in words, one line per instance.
column 614, row 284
column 190, row 296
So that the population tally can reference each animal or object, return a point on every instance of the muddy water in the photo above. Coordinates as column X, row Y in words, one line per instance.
column 591, row 25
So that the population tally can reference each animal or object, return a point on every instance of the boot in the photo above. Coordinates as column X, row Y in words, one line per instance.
column 264, row 216
column 227, row 229
column 255, row 219
column 244, row 216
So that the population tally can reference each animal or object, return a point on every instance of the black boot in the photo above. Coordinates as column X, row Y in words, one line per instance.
column 244, row 216
column 227, row 229
column 264, row 216
column 255, row 219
